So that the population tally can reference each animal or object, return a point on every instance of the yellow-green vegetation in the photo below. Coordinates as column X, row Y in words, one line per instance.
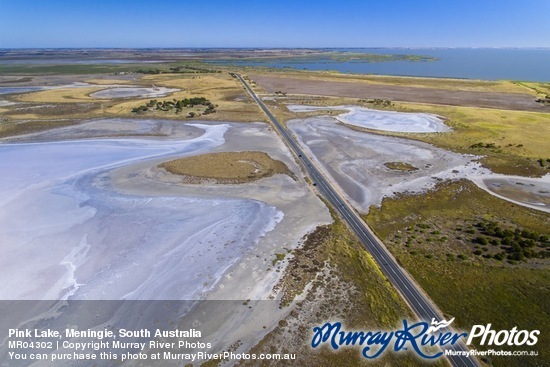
column 62, row 95
column 512, row 142
column 226, row 167
column 400, row 166
column 541, row 89
column 436, row 237
column 278, row 257
column 347, row 286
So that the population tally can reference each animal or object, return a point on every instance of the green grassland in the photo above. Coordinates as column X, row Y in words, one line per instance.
column 432, row 237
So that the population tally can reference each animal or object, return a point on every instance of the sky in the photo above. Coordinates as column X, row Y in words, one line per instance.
column 240, row 23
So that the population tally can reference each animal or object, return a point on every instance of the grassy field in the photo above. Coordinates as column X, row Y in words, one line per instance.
column 541, row 89
column 226, row 167
column 433, row 236
column 68, row 95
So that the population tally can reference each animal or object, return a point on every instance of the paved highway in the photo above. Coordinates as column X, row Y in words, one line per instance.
column 419, row 302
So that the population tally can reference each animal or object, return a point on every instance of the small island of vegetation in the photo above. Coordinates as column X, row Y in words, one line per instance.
column 400, row 166
column 226, row 167
column 177, row 106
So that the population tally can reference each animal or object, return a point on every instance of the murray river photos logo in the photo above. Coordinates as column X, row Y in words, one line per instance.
column 417, row 337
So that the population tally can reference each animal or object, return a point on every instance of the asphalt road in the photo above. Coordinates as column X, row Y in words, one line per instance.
column 419, row 302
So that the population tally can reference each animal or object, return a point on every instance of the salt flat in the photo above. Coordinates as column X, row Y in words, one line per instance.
column 61, row 215
column 62, row 228
column 97, row 219
column 526, row 191
column 411, row 122
column 356, row 161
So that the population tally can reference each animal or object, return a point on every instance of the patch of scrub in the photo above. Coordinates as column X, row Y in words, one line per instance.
column 410, row 122
column 530, row 192
column 226, row 167
column 400, row 166
column 127, row 92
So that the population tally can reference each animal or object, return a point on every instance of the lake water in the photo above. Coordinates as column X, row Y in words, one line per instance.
column 468, row 63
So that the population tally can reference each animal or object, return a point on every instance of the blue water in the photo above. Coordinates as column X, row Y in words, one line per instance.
column 488, row 64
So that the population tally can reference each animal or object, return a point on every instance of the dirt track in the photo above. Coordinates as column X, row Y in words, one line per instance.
column 508, row 101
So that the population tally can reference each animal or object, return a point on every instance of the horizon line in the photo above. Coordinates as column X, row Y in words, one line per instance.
column 266, row 47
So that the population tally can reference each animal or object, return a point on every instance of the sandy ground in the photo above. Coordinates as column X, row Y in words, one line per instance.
column 292, row 85
column 410, row 122
column 119, row 227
